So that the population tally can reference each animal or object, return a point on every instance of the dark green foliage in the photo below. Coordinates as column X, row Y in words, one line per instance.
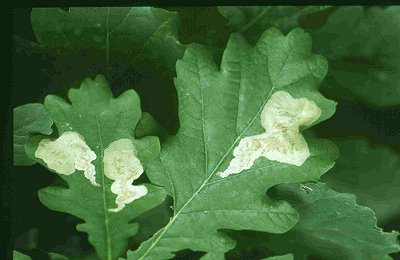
column 227, row 62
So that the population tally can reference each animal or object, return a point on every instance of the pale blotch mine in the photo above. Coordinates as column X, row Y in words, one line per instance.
column 67, row 154
column 123, row 167
column 281, row 118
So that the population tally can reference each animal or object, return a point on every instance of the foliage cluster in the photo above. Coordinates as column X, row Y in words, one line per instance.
column 185, row 86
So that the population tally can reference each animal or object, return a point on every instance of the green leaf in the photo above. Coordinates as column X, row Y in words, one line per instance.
column 116, row 36
column 132, row 46
column 362, row 46
column 153, row 220
column 217, row 109
column 281, row 257
column 28, row 120
column 331, row 226
column 54, row 256
column 251, row 21
column 20, row 256
column 372, row 173
column 149, row 126
column 362, row 67
column 100, row 119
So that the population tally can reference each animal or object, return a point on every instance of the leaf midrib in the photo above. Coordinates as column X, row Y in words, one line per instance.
column 143, row 47
column 208, row 178
column 205, row 182
column 223, row 158
column 108, row 35
column 105, row 207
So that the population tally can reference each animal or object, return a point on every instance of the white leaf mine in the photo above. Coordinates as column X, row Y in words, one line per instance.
column 123, row 167
column 281, row 118
column 67, row 154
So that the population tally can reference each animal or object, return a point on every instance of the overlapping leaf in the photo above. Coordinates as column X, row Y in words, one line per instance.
column 20, row 256
column 100, row 119
column 149, row 126
column 103, row 40
column 216, row 109
column 107, row 37
column 362, row 67
column 132, row 46
column 51, row 256
column 244, row 18
column 28, row 120
column 252, row 21
column 363, row 49
column 372, row 173
column 331, row 226
column 280, row 257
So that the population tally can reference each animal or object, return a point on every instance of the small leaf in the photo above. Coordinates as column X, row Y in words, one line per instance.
column 100, row 120
column 28, row 120
column 217, row 109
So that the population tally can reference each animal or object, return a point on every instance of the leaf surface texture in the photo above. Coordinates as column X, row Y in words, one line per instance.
column 216, row 109
column 100, row 119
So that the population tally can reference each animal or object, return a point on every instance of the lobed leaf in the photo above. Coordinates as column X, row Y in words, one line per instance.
column 331, row 226
column 362, row 67
column 217, row 108
column 100, row 119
